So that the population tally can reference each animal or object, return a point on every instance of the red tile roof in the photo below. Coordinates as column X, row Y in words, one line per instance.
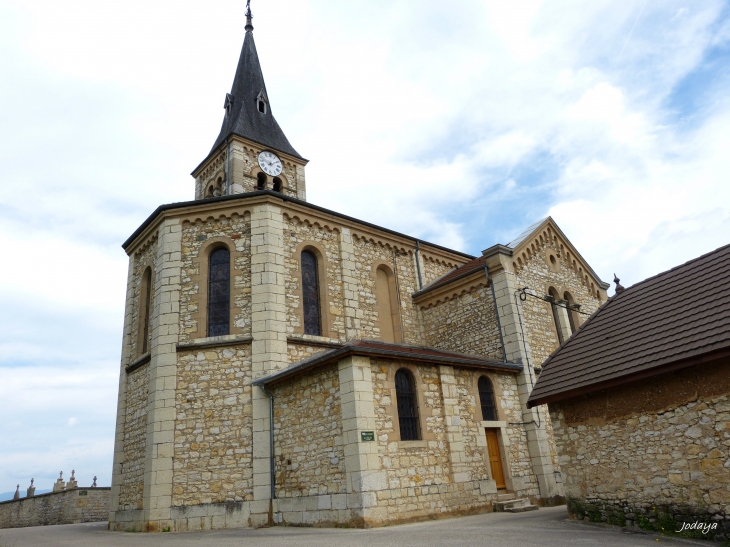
column 669, row 320
column 385, row 350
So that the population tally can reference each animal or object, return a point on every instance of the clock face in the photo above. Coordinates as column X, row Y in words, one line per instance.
column 270, row 163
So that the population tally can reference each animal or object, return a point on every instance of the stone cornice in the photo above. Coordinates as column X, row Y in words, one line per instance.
column 239, row 203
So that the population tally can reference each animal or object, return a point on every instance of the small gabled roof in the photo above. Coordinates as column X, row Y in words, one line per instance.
column 478, row 263
column 386, row 350
column 242, row 114
column 675, row 319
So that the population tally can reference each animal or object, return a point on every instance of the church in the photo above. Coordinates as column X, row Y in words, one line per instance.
column 283, row 363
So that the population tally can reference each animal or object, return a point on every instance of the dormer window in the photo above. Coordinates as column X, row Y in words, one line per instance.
column 228, row 104
column 261, row 103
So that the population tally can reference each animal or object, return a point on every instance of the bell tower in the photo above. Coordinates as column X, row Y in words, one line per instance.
column 251, row 152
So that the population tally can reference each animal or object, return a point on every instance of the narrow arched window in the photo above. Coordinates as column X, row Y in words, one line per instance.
column 261, row 181
column 145, row 300
column 573, row 317
column 486, row 399
column 277, row 184
column 310, row 294
column 556, row 313
column 386, row 298
column 405, row 392
column 219, row 292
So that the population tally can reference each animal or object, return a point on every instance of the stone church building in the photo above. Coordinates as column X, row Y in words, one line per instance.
column 285, row 363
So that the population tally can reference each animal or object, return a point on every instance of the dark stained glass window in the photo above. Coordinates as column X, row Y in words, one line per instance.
column 486, row 397
column 310, row 294
column 219, row 292
column 405, row 392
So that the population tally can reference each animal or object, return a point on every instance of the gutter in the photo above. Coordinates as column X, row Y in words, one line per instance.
column 272, row 468
column 496, row 311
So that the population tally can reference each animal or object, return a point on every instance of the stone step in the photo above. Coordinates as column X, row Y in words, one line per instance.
column 514, row 506
column 506, row 496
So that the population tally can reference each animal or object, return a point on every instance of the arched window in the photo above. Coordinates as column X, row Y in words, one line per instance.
column 405, row 392
column 261, row 181
column 573, row 317
column 310, row 294
column 261, row 106
column 556, row 313
column 219, row 292
column 145, row 301
column 487, row 400
column 386, row 297
column 277, row 184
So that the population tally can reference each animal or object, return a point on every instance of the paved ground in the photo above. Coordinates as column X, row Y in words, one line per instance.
column 544, row 528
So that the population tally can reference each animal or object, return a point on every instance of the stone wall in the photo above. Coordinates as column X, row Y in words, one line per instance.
column 651, row 453
column 66, row 507
column 368, row 255
column 213, row 458
column 144, row 257
column 326, row 242
column 198, row 240
column 135, row 439
column 539, row 273
column 309, row 447
column 466, row 323
column 447, row 471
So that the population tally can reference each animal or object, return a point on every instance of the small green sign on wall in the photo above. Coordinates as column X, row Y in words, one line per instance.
column 367, row 436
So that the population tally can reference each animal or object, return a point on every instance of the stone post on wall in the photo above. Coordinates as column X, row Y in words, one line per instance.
column 165, row 320
column 498, row 260
column 365, row 477
column 268, row 348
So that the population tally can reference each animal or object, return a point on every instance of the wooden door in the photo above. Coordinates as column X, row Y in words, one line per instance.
column 495, row 460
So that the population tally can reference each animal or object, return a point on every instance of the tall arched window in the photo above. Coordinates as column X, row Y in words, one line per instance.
column 556, row 313
column 261, row 181
column 277, row 184
column 487, row 400
column 573, row 316
column 145, row 301
column 387, row 299
column 310, row 294
column 405, row 392
column 219, row 292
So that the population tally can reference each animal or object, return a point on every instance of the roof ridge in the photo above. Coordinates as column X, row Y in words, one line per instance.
column 630, row 287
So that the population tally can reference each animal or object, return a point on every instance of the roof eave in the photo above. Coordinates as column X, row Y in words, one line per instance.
column 630, row 378
column 336, row 355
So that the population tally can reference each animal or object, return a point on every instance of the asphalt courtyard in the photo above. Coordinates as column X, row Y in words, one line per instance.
column 545, row 528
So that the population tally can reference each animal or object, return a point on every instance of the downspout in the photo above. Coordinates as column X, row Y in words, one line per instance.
column 418, row 264
column 271, row 442
column 496, row 311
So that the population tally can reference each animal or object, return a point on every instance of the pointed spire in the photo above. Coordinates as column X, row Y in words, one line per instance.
column 248, row 110
column 249, row 16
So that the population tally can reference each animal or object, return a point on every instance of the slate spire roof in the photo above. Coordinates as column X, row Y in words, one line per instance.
column 243, row 117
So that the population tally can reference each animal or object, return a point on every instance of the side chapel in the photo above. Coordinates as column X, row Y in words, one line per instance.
column 285, row 363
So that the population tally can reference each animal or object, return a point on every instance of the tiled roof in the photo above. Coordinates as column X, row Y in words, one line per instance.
column 374, row 348
column 468, row 268
column 666, row 321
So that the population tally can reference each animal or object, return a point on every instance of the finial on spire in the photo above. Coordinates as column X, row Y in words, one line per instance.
column 619, row 286
column 249, row 16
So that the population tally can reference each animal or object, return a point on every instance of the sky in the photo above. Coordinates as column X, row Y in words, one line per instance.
column 457, row 122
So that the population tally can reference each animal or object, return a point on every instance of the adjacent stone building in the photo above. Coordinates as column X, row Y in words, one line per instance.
column 285, row 363
column 640, row 403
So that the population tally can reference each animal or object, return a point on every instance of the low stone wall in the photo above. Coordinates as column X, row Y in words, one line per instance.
column 66, row 507
column 654, row 454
